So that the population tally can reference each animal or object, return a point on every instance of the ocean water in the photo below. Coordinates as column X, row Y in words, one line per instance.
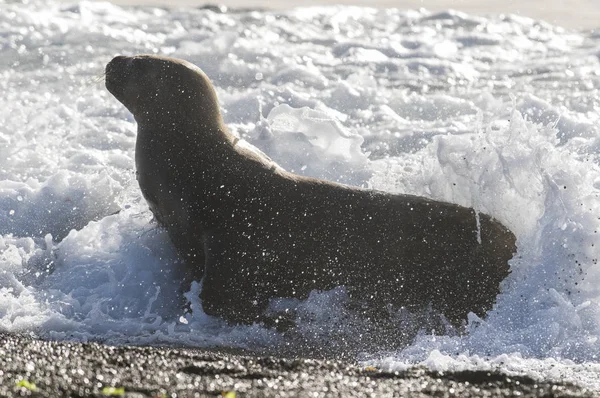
column 496, row 113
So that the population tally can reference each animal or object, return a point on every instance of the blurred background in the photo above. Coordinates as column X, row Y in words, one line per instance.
column 573, row 14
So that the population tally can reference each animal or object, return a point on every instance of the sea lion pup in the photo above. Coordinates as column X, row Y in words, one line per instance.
column 257, row 232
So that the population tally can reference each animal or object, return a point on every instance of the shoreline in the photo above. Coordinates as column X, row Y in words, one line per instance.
column 575, row 14
column 38, row 368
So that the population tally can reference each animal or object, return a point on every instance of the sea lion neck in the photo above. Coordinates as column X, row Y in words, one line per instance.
column 186, row 131
column 175, row 125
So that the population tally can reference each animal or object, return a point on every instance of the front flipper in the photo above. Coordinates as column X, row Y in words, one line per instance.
column 226, row 293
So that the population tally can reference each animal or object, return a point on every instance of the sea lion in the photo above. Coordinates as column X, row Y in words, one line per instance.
column 254, row 231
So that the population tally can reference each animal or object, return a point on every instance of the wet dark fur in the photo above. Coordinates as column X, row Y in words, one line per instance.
column 257, row 232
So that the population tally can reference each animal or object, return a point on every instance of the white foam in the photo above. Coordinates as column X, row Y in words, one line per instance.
column 495, row 113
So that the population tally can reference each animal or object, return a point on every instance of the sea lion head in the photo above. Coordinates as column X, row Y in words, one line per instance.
column 163, row 90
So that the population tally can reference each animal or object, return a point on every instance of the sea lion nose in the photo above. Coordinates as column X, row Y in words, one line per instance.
column 117, row 72
column 118, row 63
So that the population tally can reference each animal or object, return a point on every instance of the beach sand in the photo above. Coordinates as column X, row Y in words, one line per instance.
column 29, row 368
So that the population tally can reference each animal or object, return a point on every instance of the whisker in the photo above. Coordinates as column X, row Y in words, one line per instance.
column 92, row 82
column 100, row 78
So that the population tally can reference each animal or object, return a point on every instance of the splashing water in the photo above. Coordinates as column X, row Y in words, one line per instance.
column 499, row 114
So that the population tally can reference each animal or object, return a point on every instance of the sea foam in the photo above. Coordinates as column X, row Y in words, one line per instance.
column 496, row 113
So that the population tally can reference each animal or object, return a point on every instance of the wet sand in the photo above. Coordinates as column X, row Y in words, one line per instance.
column 59, row 369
